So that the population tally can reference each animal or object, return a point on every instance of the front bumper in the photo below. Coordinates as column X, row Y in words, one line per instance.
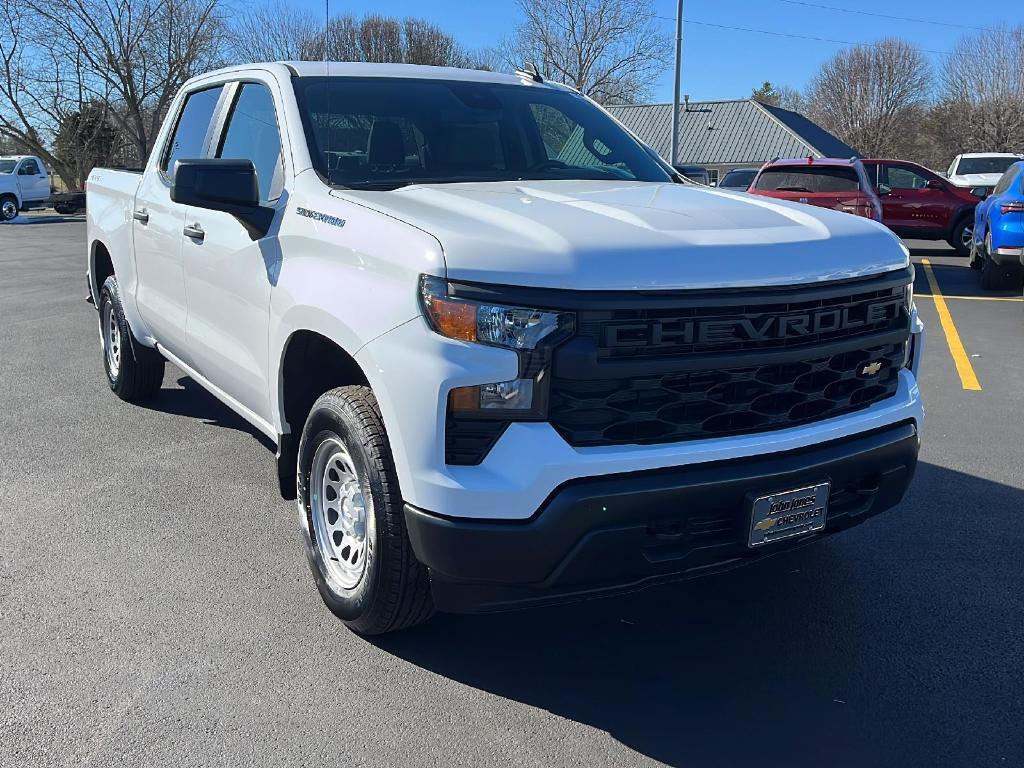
column 602, row 535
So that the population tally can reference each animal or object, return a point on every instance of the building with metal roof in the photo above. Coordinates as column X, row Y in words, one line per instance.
column 722, row 135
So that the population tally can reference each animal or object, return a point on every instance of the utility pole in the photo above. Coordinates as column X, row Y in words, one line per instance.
column 675, row 90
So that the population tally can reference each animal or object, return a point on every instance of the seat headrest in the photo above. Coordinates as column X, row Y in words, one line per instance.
column 385, row 145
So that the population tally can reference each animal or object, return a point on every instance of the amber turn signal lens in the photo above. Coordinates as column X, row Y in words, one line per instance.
column 464, row 399
column 454, row 319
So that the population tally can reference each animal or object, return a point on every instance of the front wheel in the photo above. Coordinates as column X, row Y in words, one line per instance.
column 352, row 519
column 8, row 208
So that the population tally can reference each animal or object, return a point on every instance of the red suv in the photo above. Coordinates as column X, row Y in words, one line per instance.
column 826, row 182
column 920, row 204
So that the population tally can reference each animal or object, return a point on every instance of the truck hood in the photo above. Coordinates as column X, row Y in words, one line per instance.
column 976, row 179
column 601, row 235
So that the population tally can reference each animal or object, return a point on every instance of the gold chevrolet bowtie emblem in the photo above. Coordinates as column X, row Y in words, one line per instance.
column 871, row 369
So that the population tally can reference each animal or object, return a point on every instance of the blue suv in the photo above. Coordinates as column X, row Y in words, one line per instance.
column 999, row 233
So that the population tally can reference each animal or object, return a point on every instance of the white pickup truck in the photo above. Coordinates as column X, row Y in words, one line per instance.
column 507, row 356
column 24, row 183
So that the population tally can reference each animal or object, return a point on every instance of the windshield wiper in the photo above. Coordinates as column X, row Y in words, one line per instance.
column 388, row 184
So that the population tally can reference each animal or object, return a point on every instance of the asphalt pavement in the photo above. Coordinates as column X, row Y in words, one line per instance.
column 156, row 609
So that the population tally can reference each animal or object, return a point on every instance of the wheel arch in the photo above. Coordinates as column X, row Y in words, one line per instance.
column 310, row 362
column 101, row 266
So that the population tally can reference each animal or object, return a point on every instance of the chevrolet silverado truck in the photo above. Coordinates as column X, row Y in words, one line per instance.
column 506, row 355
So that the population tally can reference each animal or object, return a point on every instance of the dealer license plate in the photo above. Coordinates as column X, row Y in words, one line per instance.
column 787, row 514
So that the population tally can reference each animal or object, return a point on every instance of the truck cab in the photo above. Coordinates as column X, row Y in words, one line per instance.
column 24, row 183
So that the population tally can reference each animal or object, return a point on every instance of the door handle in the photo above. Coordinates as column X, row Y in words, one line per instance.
column 141, row 215
column 194, row 231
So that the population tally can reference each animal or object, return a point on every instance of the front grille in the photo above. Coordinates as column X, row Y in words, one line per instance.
column 684, row 367
column 684, row 406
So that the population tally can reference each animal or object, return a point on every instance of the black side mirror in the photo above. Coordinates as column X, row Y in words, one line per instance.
column 981, row 192
column 933, row 184
column 884, row 189
column 223, row 185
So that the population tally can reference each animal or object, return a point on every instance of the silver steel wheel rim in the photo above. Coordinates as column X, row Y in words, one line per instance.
column 967, row 237
column 9, row 209
column 342, row 515
column 111, row 338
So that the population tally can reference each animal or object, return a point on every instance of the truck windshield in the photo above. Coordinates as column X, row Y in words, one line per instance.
column 385, row 133
column 984, row 165
column 7, row 166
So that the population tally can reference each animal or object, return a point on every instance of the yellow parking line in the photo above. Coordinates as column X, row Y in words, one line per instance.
column 956, row 348
column 972, row 298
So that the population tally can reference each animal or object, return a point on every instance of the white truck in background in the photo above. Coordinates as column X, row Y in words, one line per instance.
column 506, row 356
column 24, row 183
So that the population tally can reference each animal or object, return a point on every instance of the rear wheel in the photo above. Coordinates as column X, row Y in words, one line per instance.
column 998, row 277
column 8, row 208
column 352, row 517
column 134, row 372
column 963, row 236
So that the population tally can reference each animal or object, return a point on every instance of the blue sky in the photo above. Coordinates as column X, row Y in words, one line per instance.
column 727, row 63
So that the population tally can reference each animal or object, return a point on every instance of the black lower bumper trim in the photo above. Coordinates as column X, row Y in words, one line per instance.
column 616, row 532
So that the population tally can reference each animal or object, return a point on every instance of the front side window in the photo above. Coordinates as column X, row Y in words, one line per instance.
column 252, row 134
column 390, row 132
column 808, row 179
column 901, row 177
column 189, row 137
column 29, row 168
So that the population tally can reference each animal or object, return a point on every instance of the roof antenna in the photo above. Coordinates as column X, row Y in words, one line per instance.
column 530, row 70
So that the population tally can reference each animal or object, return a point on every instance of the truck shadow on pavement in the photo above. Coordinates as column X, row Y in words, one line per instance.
column 860, row 650
column 195, row 402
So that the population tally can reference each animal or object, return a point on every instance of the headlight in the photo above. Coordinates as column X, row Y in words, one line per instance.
column 518, row 328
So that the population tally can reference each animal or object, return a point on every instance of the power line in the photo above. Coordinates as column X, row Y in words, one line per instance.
column 913, row 19
column 794, row 36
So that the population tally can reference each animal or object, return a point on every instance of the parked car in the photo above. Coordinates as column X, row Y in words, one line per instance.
column 697, row 173
column 24, row 183
column 738, row 179
column 842, row 185
column 506, row 356
column 999, row 233
column 980, row 169
column 918, row 203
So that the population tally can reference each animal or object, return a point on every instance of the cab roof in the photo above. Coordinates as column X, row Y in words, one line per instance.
column 365, row 69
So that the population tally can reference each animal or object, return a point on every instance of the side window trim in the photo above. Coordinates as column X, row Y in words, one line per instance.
column 222, row 121
column 165, row 152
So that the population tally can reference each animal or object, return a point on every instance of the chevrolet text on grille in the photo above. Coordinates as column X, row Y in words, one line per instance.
column 762, row 328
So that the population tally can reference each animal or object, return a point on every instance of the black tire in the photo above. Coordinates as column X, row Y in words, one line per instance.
column 956, row 240
column 8, row 207
column 139, row 370
column 999, row 277
column 393, row 590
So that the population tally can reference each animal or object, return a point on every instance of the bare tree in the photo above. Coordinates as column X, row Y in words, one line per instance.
column 40, row 92
column 133, row 54
column 983, row 91
column 275, row 32
column 610, row 50
column 868, row 94
column 278, row 32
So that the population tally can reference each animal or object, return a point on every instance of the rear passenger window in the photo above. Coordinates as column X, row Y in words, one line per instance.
column 252, row 134
column 190, row 133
